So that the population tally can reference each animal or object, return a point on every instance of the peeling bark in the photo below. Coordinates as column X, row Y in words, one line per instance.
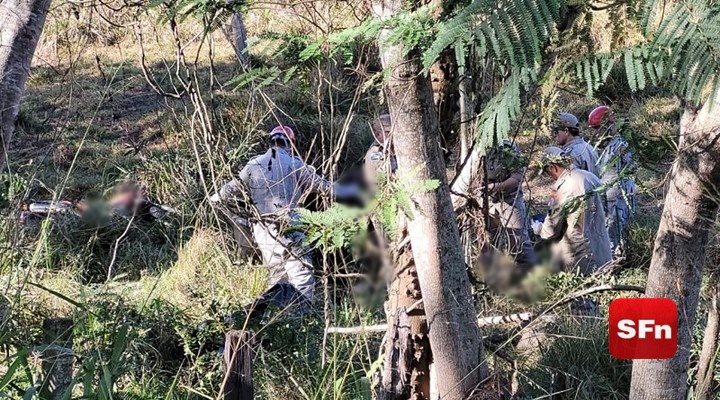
column 406, row 373
column 453, row 331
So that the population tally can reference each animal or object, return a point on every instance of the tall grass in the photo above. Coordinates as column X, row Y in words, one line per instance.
column 153, row 328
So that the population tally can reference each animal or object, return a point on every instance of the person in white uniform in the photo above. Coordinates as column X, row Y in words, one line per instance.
column 276, row 182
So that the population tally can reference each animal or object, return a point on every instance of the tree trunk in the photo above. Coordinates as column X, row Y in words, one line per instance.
column 470, row 171
column 454, row 334
column 467, row 120
column 406, row 371
column 467, row 136
column 21, row 23
column 680, row 246
column 239, row 39
column 706, row 363
column 443, row 76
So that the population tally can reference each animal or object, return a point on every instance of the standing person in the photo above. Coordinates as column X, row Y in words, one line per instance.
column 508, row 223
column 567, row 135
column 276, row 182
column 614, row 164
column 576, row 222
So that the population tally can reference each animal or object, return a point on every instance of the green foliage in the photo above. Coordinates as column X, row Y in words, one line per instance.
column 683, row 52
column 11, row 187
column 515, row 34
column 513, row 31
column 335, row 227
column 594, row 71
column 403, row 189
column 212, row 12
column 341, row 42
column 259, row 78
column 410, row 28
column 340, row 226
column 495, row 119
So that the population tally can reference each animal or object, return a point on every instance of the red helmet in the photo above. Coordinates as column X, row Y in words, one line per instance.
column 282, row 130
column 600, row 115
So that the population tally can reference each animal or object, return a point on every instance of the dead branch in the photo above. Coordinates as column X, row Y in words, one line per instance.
column 524, row 317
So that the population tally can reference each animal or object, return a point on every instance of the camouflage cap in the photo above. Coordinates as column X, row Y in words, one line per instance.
column 554, row 155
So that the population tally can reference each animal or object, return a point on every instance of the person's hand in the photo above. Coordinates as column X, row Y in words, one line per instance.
column 536, row 227
column 492, row 188
column 552, row 202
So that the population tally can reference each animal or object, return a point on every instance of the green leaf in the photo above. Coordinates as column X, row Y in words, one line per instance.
column 20, row 360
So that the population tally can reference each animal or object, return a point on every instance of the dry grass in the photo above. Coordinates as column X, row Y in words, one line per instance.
column 203, row 274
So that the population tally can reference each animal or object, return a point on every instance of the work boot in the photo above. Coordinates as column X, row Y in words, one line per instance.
column 279, row 297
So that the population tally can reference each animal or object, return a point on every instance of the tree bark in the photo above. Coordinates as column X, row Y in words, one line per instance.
column 706, row 363
column 406, row 373
column 239, row 39
column 21, row 23
column 470, row 170
column 434, row 237
column 467, row 120
column 680, row 247
column 444, row 80
column 467, row 136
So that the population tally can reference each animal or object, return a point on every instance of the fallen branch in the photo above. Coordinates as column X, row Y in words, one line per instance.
column 487, row 321
column 500, row 319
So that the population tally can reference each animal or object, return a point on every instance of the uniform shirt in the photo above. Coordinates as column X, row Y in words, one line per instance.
column 277, row 182
column 578, row 221
column 583, row 154
column 614, row 159
column 504, row 162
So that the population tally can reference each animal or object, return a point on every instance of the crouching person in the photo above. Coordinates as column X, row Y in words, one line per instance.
column 507, row 211
column 576, row 222
column 276, row 182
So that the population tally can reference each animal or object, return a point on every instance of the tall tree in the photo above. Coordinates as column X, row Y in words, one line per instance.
column 434, row 237
column 238, row 37
column 21, row 23
column 688, row 217
column 706, row 361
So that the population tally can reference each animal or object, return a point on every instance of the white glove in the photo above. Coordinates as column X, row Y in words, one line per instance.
column 215, row 198
column 537, row 227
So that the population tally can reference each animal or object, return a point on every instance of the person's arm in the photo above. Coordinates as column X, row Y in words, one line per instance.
column 554, row 225
column 627, row 159
column 312, row 181
column 234, row 189
column 508, row 185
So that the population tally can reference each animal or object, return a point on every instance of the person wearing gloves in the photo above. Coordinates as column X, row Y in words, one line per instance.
column 614, row 164
column 276, row 182
column 576, row 221
column 566, row 131
column 507, row 228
